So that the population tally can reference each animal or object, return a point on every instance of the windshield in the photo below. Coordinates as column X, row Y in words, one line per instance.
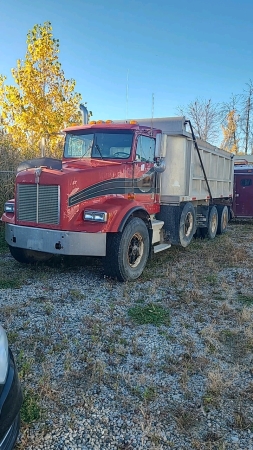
column 113, row 145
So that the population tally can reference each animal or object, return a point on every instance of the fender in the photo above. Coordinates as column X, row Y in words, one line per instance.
column 120, row 210
column 129, row 213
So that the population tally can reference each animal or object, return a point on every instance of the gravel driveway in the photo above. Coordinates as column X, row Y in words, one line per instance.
column 161, row 363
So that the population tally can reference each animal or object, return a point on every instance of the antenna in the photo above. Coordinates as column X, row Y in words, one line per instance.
column 152, row 112
column 127, row 78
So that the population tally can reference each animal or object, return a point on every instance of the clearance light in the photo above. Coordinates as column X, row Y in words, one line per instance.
column 93, row 122
column 95, row 216
column 133, row 122
column 100, row 121
column 108, row 121
column 131, row 196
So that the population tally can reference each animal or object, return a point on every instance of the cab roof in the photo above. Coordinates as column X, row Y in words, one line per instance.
column 108, row 126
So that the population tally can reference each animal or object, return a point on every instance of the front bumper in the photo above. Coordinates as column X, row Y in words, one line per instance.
column 55, row 241
column 10, row 403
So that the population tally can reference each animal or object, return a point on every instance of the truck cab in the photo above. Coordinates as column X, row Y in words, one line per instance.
column 107, row 177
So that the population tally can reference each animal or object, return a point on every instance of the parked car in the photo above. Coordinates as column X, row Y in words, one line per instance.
column 10, row 396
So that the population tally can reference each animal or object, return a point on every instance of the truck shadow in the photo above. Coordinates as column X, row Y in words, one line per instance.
column 91, row 264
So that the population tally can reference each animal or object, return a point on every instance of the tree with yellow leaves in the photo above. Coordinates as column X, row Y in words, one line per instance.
column 42, row 101
column 230, row 140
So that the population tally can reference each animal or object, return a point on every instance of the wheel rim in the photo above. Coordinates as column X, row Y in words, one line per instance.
column 213, row 223
column 188, row 225
column 135, row 250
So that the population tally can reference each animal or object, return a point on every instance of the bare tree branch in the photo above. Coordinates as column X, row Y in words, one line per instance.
column 205, row 117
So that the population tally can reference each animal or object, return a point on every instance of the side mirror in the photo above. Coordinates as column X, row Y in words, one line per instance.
column 159, row 165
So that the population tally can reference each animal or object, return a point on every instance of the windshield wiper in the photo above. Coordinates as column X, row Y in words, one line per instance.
column 98, row 148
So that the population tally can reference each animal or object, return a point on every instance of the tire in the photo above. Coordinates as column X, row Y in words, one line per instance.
column 212, row 223
column 23, row 255
column 127, row 252
column 187, row 224
column 222, row 219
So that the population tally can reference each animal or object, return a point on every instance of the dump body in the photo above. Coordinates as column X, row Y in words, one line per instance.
column 183, row 178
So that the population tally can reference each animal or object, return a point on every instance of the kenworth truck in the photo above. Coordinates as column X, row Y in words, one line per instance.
column 123, row 190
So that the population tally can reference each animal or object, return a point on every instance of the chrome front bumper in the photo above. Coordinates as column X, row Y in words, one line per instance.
column 55, row 241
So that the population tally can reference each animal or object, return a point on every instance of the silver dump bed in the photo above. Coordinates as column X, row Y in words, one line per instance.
column 183, row 178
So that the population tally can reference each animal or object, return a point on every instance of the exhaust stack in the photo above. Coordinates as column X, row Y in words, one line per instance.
column 85, row 113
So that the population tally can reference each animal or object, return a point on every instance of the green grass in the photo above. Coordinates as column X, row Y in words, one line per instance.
column 150, row 313
column 149, row 394
column 12, row 337
column 212, row 279
column 10, row 283
column 3, row 244
column 246, row 299
column 30, row 411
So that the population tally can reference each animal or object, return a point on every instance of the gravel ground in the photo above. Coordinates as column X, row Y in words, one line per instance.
column 95, row 378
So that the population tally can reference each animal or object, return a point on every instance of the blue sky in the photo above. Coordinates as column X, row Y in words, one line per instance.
column 176, row 50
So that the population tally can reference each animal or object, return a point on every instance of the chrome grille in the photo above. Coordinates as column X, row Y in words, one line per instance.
column 38, row 203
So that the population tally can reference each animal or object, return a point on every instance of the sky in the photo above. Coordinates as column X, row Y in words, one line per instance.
column 135, row 59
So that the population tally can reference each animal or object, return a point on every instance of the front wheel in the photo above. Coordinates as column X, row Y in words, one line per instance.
column 23, row 255
column 127, row 252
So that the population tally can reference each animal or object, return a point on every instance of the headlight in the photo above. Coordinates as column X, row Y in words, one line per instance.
column 3, row 355
column 9, row 207
column 95, row 216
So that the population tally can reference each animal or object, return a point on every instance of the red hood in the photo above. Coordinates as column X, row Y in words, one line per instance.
column 77, row 175
column 88, row 163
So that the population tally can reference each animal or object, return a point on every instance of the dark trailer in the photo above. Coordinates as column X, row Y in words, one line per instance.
column 243, row 189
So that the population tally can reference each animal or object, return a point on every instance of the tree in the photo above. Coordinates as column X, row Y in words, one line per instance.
column 229, row 129
column 205, row 118
column 42, row 101
column 246, row 118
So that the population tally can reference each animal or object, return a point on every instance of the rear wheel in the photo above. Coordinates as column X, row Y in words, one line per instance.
column 187, row 225
column 127, row 252
column 23, row 255
column 212, row 223
column 222, row 219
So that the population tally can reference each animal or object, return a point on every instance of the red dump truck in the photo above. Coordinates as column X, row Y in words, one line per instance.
column 123, row 190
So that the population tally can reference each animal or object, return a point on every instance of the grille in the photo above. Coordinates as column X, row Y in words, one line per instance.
column 38, row 203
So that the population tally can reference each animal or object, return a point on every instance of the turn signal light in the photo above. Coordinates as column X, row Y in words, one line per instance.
column 93, row 122
column 131, row 196
column 133, row 122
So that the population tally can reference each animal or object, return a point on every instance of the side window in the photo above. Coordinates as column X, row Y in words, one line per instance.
column 145, row 149
column 246, row 182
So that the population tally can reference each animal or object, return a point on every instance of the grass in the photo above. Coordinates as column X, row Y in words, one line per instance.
column 10, row 283
column 150, row 314
column 185, row 417
column 3, row 244
column 30, row 410
column 76, row 294
column 246, row 299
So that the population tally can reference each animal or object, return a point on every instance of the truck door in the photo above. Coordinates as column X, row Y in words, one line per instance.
column 144, row 174
column 243, row 201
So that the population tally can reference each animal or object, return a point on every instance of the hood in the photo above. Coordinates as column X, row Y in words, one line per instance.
column 86, row 163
